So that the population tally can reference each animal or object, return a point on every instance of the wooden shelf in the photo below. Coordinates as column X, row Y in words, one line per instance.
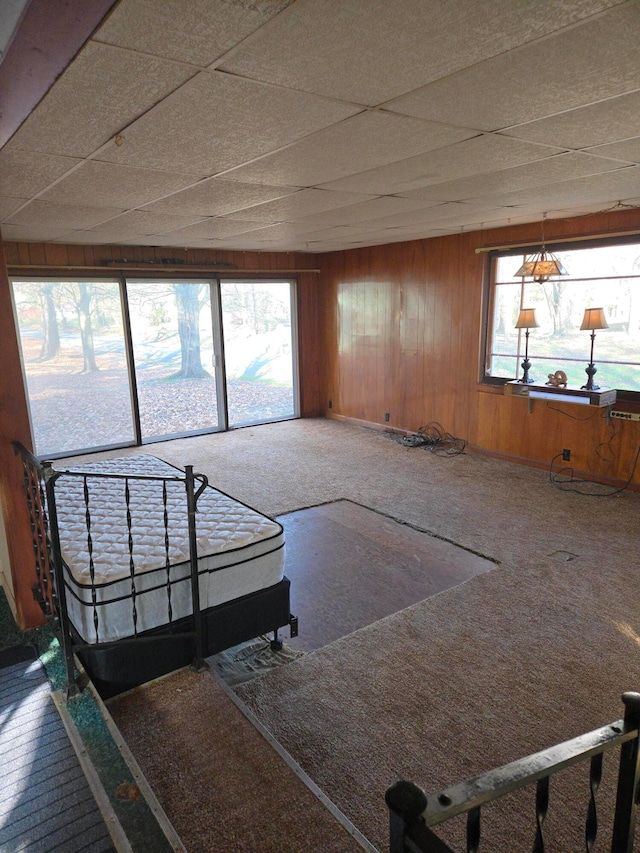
column 569, row 394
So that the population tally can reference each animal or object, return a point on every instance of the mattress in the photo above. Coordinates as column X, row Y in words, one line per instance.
column 110, row 564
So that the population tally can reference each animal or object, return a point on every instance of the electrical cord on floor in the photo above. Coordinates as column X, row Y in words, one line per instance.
column 571, row 482
column 433, row 437
column 606, row 445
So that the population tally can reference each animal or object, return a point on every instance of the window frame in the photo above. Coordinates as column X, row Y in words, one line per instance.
column 489, row 293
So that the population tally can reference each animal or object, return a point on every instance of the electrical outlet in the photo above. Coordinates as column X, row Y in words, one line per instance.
column 566, row 455
column 626, row 416
column 386, row 416
column 331, row 404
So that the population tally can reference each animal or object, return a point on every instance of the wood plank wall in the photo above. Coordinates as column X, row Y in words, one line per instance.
column 401, row 334
column 14, row 426
column 56, row 259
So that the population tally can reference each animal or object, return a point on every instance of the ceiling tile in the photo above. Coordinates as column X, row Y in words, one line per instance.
column 212, row 228
column 24, row 174
column 629, row 150
column 583, row 65
column 9, row 205
column 618, row 186
column 615, row 118
column 216, row 121
column 300, row 204
column 373, row 51
column 103, row 90
column 453, row 212
column 365, row 210
column 42, row 213
column 136, row 223
column 86, row 238
column 215, row 196
column 474, row 156
column 562, row 167
column 197, row 32
column 105, row 184
column 32, row 233
column 365, row 141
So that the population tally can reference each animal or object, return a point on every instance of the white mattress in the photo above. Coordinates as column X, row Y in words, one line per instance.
column 239, row 550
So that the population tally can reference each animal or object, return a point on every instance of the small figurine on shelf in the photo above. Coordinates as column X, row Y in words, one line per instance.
column 557, row 379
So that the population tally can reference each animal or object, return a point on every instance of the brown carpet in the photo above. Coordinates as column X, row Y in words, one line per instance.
column 536, row 651
column 222, row 786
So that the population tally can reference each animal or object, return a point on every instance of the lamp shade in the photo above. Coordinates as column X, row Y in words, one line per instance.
column 594, row 319
column 526, row 319
column 541, row 267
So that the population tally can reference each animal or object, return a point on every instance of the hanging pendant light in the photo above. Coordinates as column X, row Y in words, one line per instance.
column 542, row 265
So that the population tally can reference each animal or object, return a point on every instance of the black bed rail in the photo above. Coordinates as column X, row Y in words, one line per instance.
column 413, row 814
column 50, row 588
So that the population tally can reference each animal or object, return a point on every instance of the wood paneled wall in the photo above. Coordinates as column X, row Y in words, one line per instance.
column 14, row 426
column 401, row 334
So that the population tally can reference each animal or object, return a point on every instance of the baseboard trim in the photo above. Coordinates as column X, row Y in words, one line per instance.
column 579, row 473
column 367, row 424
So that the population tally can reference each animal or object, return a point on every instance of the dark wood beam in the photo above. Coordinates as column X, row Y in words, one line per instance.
column 49, row 36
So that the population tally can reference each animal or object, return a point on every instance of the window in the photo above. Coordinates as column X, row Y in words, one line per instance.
column 117, row 362
column 75, row 364
column 606, row 276
column 258, row 350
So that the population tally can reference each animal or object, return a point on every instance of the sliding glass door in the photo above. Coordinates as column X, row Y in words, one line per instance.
column 175, row 349
column 112, row 363
column 75, row 364
column 259, row 347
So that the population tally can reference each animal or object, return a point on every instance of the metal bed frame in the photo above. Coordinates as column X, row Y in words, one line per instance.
column 121, row 664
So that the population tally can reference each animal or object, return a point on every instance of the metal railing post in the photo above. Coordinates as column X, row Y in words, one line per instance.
column 199, row 663
column 60, row 602
column 628, row 779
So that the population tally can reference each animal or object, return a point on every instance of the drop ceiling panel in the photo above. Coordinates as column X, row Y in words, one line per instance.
column 195, row 32
column 30, row 233
column 572, row 69
column 42, row 213
column 372, row 51
column 618, row 186
column 281, row 230
column 212, row 228
column 365, row 141
column 360, row 213
column 165, row 240
column 9, row 205
column 629, row 150
column 107, row 185
column 474, row 156
column 24, row 174
column 103, row 90
column 138, row 223
column 454, row 213
column 215, row 122
column 616, row 118
column 562, row 167
column 301, row 204
column 215, row 196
